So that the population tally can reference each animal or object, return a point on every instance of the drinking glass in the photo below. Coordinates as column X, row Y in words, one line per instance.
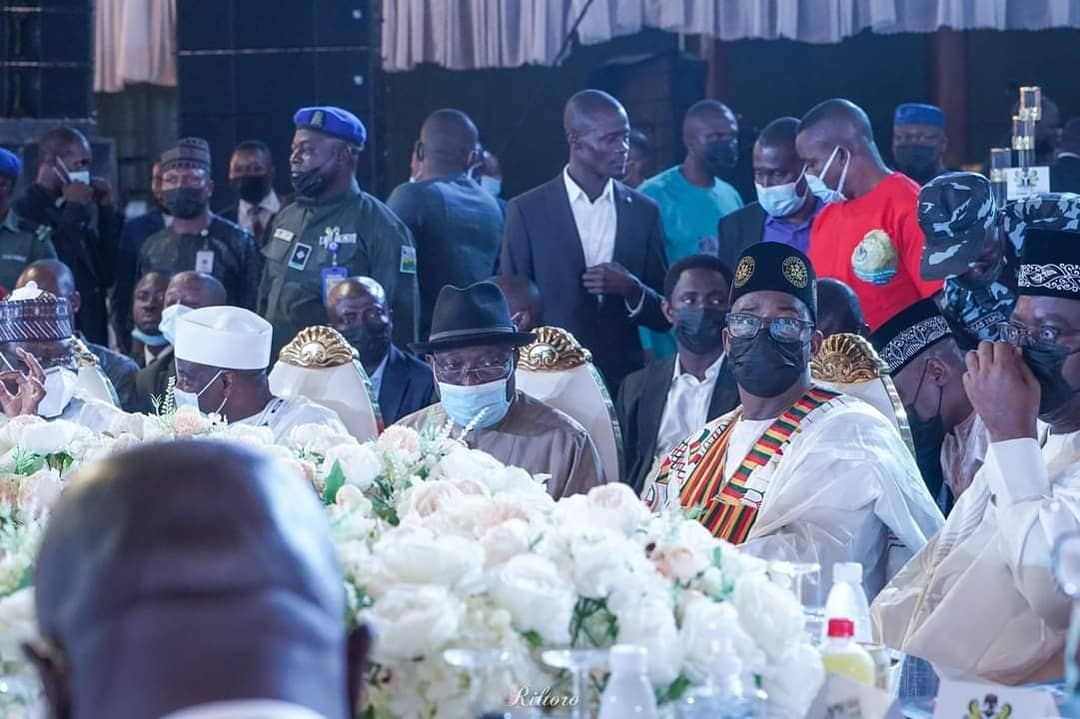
column 578, row 662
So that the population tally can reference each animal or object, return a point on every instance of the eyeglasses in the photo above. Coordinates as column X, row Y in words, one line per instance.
column 783, row 329
column 1019, row 335
column 453, row 372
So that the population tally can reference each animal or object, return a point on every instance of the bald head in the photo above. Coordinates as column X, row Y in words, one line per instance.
column 838, row 120
column 836, row 142
column 195, row 290
column 448, row 141
column 838, row 309
column 356, row 307
column 50, row 275
column 229, row 589
column 526, row 303
column 710, row 133
column 584, row 109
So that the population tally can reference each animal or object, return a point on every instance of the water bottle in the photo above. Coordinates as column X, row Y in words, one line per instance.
column 847, row 600
column 629, row 693
column 843, row 656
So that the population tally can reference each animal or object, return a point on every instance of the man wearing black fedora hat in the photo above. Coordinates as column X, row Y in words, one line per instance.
column 473, row 351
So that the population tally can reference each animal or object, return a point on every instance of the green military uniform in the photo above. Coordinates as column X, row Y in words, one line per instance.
column 366, row 238
column 22, row 242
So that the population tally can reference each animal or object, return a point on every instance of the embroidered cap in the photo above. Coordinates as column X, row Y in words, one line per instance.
column 917, row 113
column 1050, row 264
column 955, row 212
column 907, row 334
column 30, row 314
column 191, row 152
column 332, row 121
column 779, row 267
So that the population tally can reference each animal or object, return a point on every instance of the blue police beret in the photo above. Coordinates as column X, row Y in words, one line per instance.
column 332, row 121
column 914, row 113
column 9, row 163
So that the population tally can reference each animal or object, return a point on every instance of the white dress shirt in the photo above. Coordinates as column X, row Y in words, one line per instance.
column 265, row 210
column 595, row 220
column 246, row 709
column 282, row 414
column 687, row 408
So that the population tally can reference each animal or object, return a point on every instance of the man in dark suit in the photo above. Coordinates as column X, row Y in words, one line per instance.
column 1065, row 171
column 136, row 231
column 356, row 307
column 785, row 208
column 662, row 404
column 251, row 177
column 593, row 247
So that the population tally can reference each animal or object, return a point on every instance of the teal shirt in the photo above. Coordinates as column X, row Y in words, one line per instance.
column 689, row 215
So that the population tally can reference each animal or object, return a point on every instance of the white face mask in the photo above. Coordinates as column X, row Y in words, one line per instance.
column 81, row 176
column 191, row 399
column 780, row 200
column 822, row 191
column 169, row 316
column 492, row 184
column 59, row 389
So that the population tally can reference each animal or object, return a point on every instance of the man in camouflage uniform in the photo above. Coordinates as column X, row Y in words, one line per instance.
column 332, row 231
column 21, row 241
column 973, row 245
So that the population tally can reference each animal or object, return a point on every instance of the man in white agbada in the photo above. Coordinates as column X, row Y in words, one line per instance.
column 222, row 354
column 796, row 472
column 39, row 352
column 980, row 600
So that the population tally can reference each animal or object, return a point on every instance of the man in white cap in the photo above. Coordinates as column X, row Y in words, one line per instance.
column 222, row 354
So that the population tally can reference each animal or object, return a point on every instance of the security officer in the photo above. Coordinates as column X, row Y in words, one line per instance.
column 333, row 230
column 21, row 241
column 198, row 240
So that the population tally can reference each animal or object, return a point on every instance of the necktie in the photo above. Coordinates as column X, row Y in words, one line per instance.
column 255, row 213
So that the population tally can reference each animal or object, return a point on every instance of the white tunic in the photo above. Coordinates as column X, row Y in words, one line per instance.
column 980, row 600
column 281, row 415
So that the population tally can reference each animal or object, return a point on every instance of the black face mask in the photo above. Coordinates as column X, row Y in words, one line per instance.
column 371, row 343
column 185, row 202
column 310, row 183
column 721, row 156
column 927, row 435
column 700, row 330
column 251, row 188
column 1045, row 361
column 919, row 162
column 764, row 367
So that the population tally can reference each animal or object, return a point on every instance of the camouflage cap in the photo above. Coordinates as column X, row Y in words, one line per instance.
column 955, row 211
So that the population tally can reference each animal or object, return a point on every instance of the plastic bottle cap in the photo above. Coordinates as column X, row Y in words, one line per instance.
column 628, row 658
column 841, row 628
column 850, row 572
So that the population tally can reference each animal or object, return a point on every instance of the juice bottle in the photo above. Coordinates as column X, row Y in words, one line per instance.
column 841, row 655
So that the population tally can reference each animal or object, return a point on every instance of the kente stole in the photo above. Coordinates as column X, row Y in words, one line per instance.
column 728, row 508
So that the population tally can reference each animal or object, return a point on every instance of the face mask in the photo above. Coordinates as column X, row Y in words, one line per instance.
column 492, row 184
column 927, row 435
column 185, row 202
column 780, row 200
column 371, row 343
column 191, row 399
column 484, row 405
column 822, row 191
column 764, row 367
column 310, row 183
column 169, row 316
column 1045, row 361
column 919, row 162
column 158, row 340
column 80, row 176
column 721, row 155
column 251, row 188
column 59, row 389
column 700, row 330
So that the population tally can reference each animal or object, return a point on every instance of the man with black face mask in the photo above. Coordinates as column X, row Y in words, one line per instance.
column 402, row 384
column 691, row 196
column 797, row 472
column 918, row 142
column 251, row 178
column 927, row 366
column 660, row 405
column 980, row 600
column 198, row 240
column 333, row 230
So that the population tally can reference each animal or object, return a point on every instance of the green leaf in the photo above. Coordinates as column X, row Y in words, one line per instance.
column 27, row 578
column 533, row 638
column 676, row 690
column 335, row 480
column 533, row 543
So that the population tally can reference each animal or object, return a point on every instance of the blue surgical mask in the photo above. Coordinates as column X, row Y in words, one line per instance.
column 492, row 184
column 158, row 340
column 191, row 399
column 169, row 316
column 780, row 200
column 482, row 404
column 822, row 191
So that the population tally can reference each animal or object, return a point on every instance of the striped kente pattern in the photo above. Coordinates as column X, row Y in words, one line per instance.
column 730, row 508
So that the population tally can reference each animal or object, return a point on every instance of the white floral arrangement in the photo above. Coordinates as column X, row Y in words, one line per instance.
column 445, row 547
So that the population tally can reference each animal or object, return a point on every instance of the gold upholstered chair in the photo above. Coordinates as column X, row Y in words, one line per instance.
column 92, row 382
column 848, row 363
column 558, row 371
column 321, row 366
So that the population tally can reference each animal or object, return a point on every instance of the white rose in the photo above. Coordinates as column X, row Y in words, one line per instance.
column 359, row 462
column 464, row 462
column 413, row 555
column 685, row 552
column 506, row 540
column 651, row 624
column 714, row 643
column 39, row 492
column 427, row 498
column 755, row 597
column 248, row 435
column 537, row 596
column 188, row 421
column 604, row 562
column 315, row 438
column 402, row 442
column 413, row 621
column 618, row 507
column 517, row 481
column 51, row 437
column 792, row 680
